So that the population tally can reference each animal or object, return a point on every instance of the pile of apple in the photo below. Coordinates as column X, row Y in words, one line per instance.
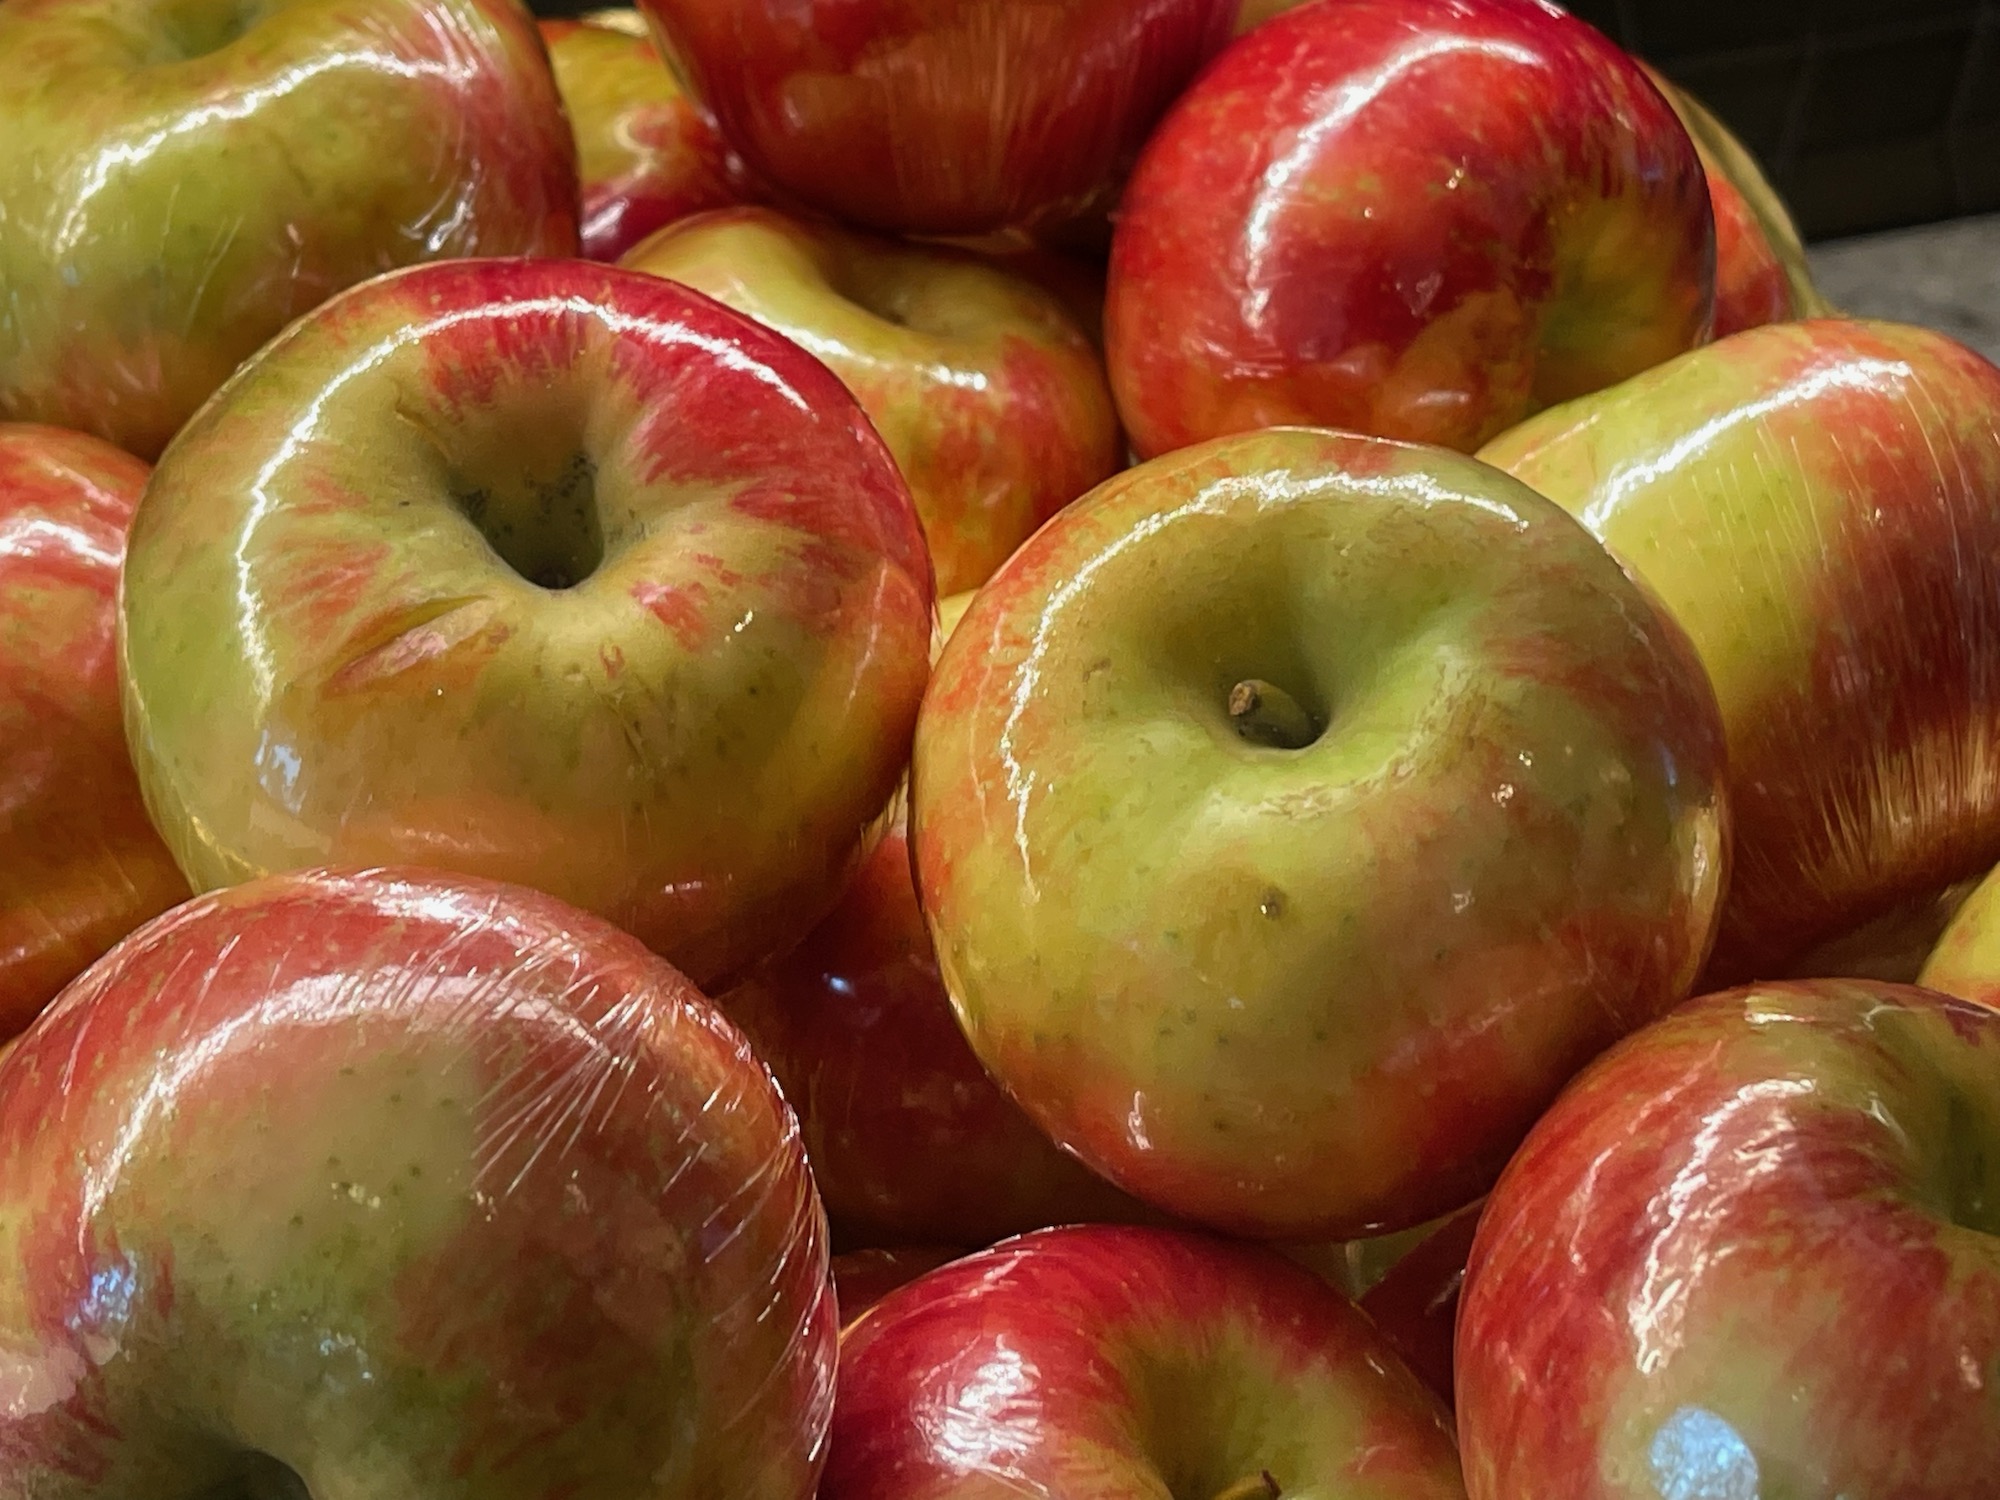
column 1259, row 705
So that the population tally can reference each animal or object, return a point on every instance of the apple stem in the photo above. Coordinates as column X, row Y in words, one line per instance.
column 1258, row 1486
column 1265, row 714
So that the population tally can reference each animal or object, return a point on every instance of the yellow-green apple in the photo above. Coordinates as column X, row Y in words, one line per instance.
column 1128, row 1364
column 1295, row 813
column 940, row 116
column 182, row 178
column 910, row 1141
column 1256, row 12
column 1814, row 502
column 862, row 1278
column 393, row 1183
column 80, row 865
column 646, row 153
column 1966, row 960
column 991, row 399
column 1752, row 1252
column 1422, row 219
column 1762, row 274
column 538, row 570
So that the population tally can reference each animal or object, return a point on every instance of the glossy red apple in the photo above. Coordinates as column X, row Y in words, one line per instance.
column 862, row 1278
column 537, row 570
column 397, row 1184
column 182, row 178
column 1422, row 219
column 990, row 398
column 1128, row 1364
column 1752, row 1252
column 1294, row 814
column 1814, row 503
column 910, row 1141
column 80, row 866
column 940, row 116
column 647, row 153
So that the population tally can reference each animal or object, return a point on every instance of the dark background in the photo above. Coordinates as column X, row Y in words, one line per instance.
column 1869, row 113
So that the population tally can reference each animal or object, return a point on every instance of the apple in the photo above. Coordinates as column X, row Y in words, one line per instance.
column 991, row 399
column 910, row 1141
column 184, row 178
column 646, row 152
column 1421, row 219
column 80, row 866
column 1966, row 960
column 1813, row 502
column 1128, row 1364
column 1295, row 813
column 1753, row 1251
column 862, row 1278
column 542, row 571
column 940, row 116
column 392, row 1183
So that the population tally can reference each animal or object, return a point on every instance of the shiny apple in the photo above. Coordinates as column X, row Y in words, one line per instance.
column 1421, row 219
column 80, row 866
column 647, row 154
column 1966, row 960
column 1752, row 1252
column 399, row 1184
column 991, row 399
column 536, row 570
column 1128, row 1364
column 1294, row 814
column 940, row 116
column 862, row 1278
column 1814, row 503
column 182, row 178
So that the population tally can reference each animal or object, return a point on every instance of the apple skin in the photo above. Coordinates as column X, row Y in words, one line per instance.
column 991, row 399
column 1128, row 1364
column 327, row 661
column 1754, row 1250
column 416, row 1185
column 940, row 116
column 80, row 865
column 1318, row 992
column 910, row 1141
column 862, row 1278
column 1420, row 219
column 1966, row 960
column 184, row 178
column 1806, row 499
column 647, row 154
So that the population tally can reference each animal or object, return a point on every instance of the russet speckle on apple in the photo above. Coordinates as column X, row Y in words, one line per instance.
column 538, row 570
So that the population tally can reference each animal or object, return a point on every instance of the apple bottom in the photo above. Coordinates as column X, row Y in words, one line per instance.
column 1116, row 1362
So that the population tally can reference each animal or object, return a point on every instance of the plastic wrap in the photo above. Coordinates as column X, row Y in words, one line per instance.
column 79, row 864
column 940, row 116
column 411, row 1186
column 1107, row 1362
column 910, row 1141
column 1818, row 504
column 1421, row 219
column 182, row 181
column 542, row 571
column 1753, row 1252
column 862, row 1278
column 991, row 399
column 647, row 154
column 1294, row 814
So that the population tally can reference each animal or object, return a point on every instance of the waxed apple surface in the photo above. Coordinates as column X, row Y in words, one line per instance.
column 336, row 651
column 991, row 399
column 1817, row 504
column 646, row 153
column 1128, row 1364
column 80, row 865
column 1421, row 219
column 182, row 178
column 417, row 1186
column 940, row 116
column 1755, row 1251
column 1316, row 991
column 910, row 1141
